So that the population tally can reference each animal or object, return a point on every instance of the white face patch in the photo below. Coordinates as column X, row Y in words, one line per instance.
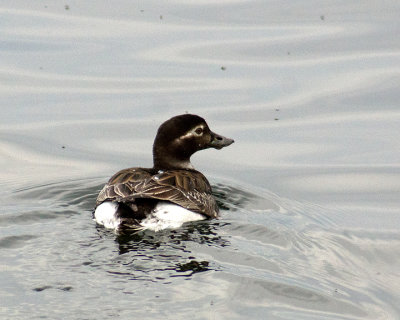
column 196, row 131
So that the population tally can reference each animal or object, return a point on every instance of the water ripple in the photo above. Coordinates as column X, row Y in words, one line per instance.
column 264, row 248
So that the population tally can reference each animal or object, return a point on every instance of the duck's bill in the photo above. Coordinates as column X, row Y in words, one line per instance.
column 218, row 141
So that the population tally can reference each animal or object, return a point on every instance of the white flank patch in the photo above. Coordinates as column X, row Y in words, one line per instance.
column 167, row 215
column 105, row 215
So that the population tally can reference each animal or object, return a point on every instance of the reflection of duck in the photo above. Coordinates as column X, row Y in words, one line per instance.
column 169, row 254
column 170, row 193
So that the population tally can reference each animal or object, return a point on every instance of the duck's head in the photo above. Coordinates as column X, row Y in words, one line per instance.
column 181, row 136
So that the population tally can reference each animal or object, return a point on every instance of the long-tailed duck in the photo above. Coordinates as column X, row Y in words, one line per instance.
column 170, row 193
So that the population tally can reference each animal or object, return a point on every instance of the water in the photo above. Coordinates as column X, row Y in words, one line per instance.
column 309, row 192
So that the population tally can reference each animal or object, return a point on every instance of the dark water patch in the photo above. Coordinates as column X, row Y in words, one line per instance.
column 14, row 242
column 231, row 198
column 194, row 266
column 260, row 233
column 40, row 289
column 79, row 193
column 27, row 217
column 252, row 295
column 47, row 287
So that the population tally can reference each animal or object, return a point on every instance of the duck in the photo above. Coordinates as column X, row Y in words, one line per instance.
column 170, row 193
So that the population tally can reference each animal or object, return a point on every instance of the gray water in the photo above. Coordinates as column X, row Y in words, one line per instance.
column 309, row 192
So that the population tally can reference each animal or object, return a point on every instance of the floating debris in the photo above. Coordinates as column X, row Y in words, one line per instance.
column 66, row 7
column 67, row 288
column 223, row 68
column 39, row 289
column 322, row 18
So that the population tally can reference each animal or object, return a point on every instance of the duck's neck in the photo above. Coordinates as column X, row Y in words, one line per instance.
column 162, row 159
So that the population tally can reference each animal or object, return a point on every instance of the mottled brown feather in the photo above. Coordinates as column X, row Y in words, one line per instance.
column 187, row 188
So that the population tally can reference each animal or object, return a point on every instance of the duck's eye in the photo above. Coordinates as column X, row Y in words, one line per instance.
column 199, row 131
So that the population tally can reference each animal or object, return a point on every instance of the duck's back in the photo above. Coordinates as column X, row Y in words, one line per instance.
column 136, row 194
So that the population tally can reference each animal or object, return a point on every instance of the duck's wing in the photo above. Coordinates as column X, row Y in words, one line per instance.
column 187, row 188
column 123, row 185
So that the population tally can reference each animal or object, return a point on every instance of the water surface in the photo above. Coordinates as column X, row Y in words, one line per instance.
column 309, row 192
